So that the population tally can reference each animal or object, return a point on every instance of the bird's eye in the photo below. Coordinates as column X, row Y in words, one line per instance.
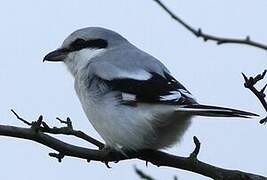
column 79, row 44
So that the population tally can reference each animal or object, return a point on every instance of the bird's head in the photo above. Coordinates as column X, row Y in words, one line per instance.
column 84, row 44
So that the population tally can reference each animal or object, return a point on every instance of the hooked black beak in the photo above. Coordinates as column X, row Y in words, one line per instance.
column 57, row 55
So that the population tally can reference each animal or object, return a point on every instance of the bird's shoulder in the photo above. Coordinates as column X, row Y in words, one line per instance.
column 139, row 77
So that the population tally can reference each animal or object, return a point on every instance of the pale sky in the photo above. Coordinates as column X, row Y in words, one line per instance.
column 30, row 29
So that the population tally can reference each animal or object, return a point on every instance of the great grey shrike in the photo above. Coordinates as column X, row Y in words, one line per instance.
column 130, row 97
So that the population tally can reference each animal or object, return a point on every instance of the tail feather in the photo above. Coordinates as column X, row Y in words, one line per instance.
column 214, row 111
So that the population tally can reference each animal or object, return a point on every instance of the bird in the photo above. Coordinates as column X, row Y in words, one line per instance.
column 130, row 97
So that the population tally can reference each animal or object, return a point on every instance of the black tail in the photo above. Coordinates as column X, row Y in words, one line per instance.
column 214, row 111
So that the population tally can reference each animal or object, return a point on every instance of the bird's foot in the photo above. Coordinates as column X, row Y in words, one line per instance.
column 111, row 155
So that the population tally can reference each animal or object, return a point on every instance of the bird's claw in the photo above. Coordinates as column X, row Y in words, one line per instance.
column 111, row 153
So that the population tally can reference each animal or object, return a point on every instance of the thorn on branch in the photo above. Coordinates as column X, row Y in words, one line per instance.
column 59, row 156
column 245, row 78
column 264, row 73
column 260, row 76
column 36, row 125
column 195, row 153
column 67, row 122
column 199, row 32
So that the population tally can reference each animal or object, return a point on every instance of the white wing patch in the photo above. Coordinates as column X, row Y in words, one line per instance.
column 110, row 72
column 128, row 97
column 173, row 96
column 137, row 75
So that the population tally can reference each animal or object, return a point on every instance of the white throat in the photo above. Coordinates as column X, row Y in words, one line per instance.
column 79, row 59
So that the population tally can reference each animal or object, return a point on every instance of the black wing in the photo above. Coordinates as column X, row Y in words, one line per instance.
column 157, row 89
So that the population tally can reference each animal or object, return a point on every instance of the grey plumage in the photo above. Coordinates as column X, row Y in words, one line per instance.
column 129, row 96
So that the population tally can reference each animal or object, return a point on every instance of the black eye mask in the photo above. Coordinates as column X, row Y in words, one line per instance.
column 79, row 44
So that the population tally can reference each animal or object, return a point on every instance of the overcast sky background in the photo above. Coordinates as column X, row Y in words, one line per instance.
column 30, row 29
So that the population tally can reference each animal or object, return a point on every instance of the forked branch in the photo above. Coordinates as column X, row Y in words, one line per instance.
column 260, row 94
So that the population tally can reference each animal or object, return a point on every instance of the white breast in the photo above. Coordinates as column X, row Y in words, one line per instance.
column 144, row 126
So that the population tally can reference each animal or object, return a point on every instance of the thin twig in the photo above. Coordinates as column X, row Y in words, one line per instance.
column 40, row 125
column 219, row 40
column 21, row 119
column 142, row 175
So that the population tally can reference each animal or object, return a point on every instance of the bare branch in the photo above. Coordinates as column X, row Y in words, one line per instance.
column 250, row 84
column 219, row 40
column 157, row 158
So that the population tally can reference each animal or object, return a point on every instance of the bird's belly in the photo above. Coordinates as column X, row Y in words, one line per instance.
column 133, row 127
